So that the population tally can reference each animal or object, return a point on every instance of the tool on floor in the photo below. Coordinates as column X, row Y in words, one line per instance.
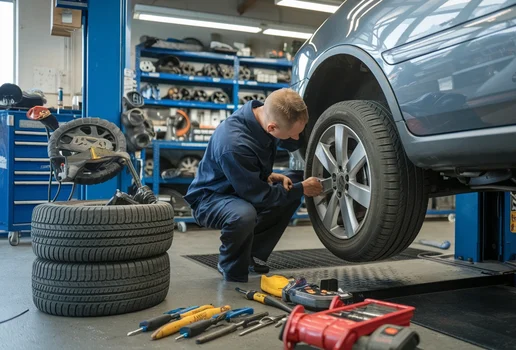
column 340, row 327
column 201, row 326
column 440, row 245
column 273, row 284
column 389, row 337
column 264, row 299
column 266, row 321
column 156, row 322
column 311, row 296
column 181, row 310
column 231, row 328
column 174, row 327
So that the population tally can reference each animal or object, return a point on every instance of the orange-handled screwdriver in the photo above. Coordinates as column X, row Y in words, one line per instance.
column 196, row 311
column 174, row 327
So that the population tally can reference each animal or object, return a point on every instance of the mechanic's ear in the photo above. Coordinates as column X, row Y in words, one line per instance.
column 271, row 127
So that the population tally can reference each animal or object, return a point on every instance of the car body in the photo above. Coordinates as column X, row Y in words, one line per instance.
column 444, row 71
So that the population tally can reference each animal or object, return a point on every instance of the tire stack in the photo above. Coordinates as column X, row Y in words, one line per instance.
column 97, row 260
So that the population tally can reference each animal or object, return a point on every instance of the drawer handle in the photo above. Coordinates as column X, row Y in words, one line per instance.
column 26, row 143
column 38, row 133
column 43, row 160
column 40, row 183
column 32, row 173
column 29, row 202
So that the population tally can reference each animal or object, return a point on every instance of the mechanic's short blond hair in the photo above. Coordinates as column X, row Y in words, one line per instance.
column 285, row 107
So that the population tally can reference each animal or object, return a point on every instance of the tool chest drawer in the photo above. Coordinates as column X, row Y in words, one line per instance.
column 25, row 169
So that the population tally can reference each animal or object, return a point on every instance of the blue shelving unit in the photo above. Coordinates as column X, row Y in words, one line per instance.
column 234, row 84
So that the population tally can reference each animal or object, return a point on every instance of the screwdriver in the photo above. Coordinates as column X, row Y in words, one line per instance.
column 231, row 328
column 156, row 322
column 197, row 328
column 264, row 299
column 175, row 326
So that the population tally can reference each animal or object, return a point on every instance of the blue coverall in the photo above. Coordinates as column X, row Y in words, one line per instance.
column 231, row 193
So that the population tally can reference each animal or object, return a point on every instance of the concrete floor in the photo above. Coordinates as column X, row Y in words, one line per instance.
column 192, row 284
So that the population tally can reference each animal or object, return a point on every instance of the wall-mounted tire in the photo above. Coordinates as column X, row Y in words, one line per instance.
column 395, row 193
column 99, row 289
column 89, row 231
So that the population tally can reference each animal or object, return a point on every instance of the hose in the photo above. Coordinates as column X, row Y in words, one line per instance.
column 183, row 131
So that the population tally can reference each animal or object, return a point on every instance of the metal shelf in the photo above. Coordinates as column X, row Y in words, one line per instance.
column 265, row 62
column 173, row 181
column 189, row 104
column 187, row 146
column 180, row 78
column 251, row 84
column 207, row 57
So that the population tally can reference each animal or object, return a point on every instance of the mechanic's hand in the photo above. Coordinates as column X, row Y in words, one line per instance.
column 312, row 187
column 273, row 178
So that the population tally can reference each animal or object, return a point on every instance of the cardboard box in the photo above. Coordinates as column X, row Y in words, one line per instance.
column 64, row 21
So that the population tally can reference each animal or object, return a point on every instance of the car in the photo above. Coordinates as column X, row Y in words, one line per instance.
column 407, row 100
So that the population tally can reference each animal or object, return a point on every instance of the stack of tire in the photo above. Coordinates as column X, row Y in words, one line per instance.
column 97, row 260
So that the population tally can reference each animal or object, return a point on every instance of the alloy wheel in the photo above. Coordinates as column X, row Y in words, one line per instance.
column 342, row 165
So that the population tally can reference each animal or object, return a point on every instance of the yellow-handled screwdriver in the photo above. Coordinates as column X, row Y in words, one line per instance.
column 264, row 299
column 174, row 327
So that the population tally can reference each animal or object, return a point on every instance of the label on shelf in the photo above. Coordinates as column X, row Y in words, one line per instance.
column 191, row 77
column 154, row 75
column 231, row 106
column 252, row 83
column 216, row 80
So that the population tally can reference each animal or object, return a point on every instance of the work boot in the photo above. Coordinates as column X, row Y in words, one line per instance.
column 258, row 268
column 228, row 278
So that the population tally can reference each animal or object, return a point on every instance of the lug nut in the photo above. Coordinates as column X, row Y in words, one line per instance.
column 334, row 177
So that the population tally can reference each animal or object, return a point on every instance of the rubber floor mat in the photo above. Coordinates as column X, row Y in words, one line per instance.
column 303, row 259
column 483, row 316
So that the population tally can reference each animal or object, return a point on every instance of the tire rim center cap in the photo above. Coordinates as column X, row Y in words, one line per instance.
column 340, row 182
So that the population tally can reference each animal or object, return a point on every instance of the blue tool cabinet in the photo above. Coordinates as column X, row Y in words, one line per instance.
column 24, row 169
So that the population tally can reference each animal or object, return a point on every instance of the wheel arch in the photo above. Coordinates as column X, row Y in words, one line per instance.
column 329, row 78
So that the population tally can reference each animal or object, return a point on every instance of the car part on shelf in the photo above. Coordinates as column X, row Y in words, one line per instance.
column 185, row 94
column 187, row 69
column 357, row 154
column 225, row 71
column 139, row 129
column 210, row 70
column 200, row 95
column 178, row 125
column 220, row 97
column 187, row 45
column 103, row 288
column 133, row 117
column 173, row 93
column 245, row 98
column 150, row 91
column 259, row 97
column 244, row 73
column 284, row 76
column 79, row 136
column 149, row 166
column 133, row 99
column 113, row 233
column 169, row 64
column 188, row 166
column 147, row 66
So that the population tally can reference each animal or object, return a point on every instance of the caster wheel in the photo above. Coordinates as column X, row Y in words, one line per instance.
column 181, row 226
column 451, row 218
column 14, row 238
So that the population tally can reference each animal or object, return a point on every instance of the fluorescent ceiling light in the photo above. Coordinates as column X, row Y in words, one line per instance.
column 308, row 5
column 287, row 33
column 197, row 23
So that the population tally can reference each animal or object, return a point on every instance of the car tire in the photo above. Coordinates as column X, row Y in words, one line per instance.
column 385, row 193
column 89, row 231
column 99, row 289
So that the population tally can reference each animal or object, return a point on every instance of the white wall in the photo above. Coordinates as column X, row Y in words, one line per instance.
column 37, row 48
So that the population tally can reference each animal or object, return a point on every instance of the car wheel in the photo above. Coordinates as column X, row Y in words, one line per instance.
column 374, row 199
column 99, row 289
column 90, row 231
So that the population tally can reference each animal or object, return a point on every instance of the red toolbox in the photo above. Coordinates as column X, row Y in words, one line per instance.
column 339, row 327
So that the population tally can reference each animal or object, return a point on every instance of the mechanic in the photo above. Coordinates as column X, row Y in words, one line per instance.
column 235, row 190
